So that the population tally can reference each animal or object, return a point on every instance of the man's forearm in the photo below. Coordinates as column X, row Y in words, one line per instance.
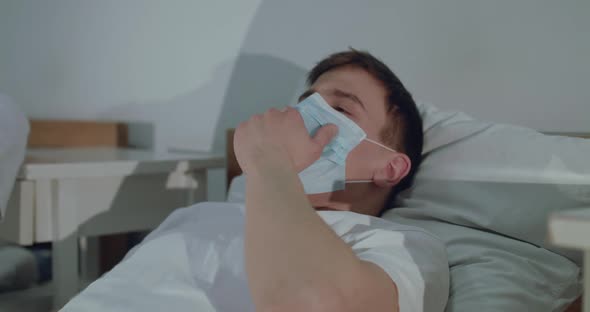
column 290, row 252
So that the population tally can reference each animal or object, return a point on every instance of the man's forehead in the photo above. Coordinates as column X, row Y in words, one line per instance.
column 352, row 79
column 344, row 74
column 356, row 81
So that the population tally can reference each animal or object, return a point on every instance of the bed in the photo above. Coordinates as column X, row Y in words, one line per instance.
column 175, row 285
column 233, row 170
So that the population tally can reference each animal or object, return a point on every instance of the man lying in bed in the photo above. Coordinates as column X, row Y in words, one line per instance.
column 308, row 237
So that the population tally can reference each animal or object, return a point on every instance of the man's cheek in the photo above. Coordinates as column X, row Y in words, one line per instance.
column 362, row 161
column 354, row 167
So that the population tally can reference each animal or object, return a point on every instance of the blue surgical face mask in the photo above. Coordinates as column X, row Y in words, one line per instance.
column 328, row 173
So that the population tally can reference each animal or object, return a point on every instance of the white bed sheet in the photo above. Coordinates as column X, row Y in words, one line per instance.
column 180, row 266
column 194, row 262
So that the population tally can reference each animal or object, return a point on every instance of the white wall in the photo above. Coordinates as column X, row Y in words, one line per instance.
column 194, row 68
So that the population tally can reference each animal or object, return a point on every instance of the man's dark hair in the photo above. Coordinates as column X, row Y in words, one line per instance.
column 404, row 132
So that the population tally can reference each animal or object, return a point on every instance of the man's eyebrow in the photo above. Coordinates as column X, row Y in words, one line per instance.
column 354, row 98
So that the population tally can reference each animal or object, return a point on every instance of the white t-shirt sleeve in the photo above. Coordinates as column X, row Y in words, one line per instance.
column 414, row 259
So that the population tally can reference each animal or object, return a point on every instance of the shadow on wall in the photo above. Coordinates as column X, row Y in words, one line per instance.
column 198, row 120
column 258, row 82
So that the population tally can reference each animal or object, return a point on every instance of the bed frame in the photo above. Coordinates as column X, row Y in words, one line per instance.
column 233, row 170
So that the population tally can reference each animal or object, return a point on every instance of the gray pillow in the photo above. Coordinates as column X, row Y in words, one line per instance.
column 487, row 191
column 498, row 178
column 491, row 272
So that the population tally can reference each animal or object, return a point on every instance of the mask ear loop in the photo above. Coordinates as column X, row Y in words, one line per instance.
column 376, row 143
column 358, row 181
column 385, row 147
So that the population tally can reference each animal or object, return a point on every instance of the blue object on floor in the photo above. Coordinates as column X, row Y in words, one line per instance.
column 42, row 253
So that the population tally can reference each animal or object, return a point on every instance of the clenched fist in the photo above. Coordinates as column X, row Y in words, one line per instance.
column 279, row 136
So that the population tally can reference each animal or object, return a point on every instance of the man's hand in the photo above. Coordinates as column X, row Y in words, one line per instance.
column 293, row 259
column 279, row 136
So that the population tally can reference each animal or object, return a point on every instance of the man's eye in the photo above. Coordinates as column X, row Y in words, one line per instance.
column 340, row 109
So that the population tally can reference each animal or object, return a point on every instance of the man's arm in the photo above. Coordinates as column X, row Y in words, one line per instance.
column 294, row 261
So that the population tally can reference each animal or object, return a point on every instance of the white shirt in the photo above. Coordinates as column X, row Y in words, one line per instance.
column 194, row 261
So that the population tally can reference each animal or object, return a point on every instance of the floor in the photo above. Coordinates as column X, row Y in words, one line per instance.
column 35, row 299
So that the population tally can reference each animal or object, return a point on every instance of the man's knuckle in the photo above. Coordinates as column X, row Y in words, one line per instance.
column 271, row 112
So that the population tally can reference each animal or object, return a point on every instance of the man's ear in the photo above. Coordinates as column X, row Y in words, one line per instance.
column 394, row 171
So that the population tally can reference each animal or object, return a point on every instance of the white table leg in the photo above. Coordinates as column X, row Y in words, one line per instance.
column 65, row 242
column 586, row 297
column 65, row 270
column 89, row 259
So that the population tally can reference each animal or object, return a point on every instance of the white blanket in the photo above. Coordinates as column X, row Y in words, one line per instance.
column 194, row 262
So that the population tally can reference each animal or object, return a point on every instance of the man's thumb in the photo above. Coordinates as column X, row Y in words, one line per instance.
column 325, row 134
